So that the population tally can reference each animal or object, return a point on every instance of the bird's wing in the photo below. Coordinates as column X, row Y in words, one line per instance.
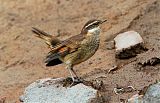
column 70, row 43
column 65, row 47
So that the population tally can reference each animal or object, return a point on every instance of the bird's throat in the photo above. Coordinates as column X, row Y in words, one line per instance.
column 94, row 31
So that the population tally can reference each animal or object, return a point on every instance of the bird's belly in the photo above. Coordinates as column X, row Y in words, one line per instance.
column 82, row 54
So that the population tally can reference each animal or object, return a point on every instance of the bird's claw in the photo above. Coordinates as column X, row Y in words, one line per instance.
column 76, row 81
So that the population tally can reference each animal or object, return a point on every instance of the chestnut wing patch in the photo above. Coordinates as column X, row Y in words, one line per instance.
column 65, row 47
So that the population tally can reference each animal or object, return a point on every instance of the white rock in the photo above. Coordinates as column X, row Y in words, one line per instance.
column 127, row 39
column 128, row 44
column 51, row 91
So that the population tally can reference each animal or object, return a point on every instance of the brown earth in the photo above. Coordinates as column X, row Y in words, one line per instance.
column 22, row 54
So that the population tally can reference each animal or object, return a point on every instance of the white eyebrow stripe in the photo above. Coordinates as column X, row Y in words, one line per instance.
column 90, row 24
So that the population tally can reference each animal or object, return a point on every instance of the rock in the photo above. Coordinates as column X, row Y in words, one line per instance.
column 128, row 44
column 52, row 91
column 148, row 60
column 110, row 45
column 152, row 95
column 135, row 99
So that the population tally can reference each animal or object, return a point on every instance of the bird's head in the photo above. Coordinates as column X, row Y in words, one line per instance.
column 92, row 26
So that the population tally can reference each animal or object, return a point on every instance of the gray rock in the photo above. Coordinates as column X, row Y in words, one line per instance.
column 52, row 91
column 152, row 95
column 128, row 44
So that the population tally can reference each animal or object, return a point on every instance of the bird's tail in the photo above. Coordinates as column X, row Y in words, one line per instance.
column 49, row 39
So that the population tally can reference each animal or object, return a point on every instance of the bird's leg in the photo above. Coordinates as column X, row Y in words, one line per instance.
column 72, row 73
column 77, row 80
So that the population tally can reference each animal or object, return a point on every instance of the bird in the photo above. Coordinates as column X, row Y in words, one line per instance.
column 73, row 50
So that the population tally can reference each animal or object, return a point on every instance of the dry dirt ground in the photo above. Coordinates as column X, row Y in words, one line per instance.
column 22, row 54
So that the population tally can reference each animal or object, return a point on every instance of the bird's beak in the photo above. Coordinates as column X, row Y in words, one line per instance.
column 103, row 21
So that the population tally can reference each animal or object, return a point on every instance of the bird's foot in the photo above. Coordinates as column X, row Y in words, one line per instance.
column 76, row 81
column 73, row 81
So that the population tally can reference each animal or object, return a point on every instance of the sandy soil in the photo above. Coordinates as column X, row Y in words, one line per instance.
column 22, row 54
